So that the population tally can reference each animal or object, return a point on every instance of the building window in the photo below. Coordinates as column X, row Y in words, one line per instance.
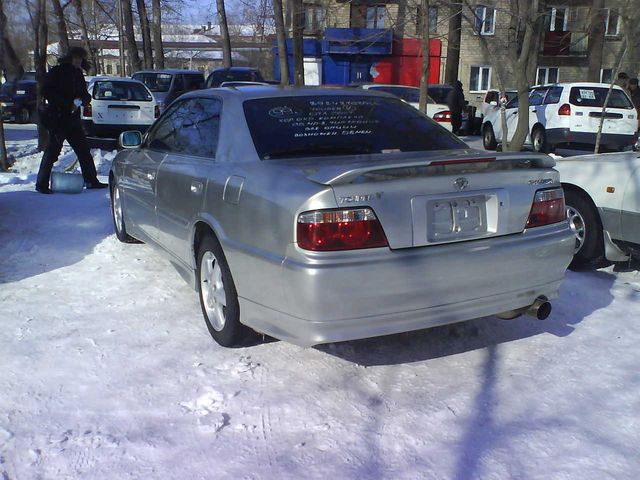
column 109, row 69
column 368, row 16
column 613, row 22
column 485, row 20
column 480, row 79
column 433, row 20
column 376, row 16
column 313, row 18
column 547, row 75
column 606, row 75
column 558, row 18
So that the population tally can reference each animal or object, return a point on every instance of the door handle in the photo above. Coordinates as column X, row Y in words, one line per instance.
column 196, row 188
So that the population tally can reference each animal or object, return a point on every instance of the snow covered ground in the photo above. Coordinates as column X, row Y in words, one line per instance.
column 107, row 371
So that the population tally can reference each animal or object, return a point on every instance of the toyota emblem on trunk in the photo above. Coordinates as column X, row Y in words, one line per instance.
column 461, row 183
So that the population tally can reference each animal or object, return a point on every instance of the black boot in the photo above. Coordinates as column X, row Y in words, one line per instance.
column 43, row 189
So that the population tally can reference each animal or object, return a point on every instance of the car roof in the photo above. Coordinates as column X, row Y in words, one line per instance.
column 251, row 92
column 236, row 69
column 578, row 84
column 389, row 85
column 107, row 78
column 172, row 71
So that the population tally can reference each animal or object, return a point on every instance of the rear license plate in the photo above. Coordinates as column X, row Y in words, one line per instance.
column 456, row 218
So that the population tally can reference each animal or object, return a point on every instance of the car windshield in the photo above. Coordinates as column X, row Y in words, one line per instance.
column 108, row 90
column 156, row 82
column 408, row 94
column 286, row 127
column 595, row 97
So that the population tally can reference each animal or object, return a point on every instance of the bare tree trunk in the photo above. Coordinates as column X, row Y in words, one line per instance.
column 158, row 49
column 147, row 51
column 283, row 55
column 38, row 15
column 453, row 44
column 426, row 59
column 130, row 37
column 11, row 65
column 596, row 40
column 77, row 4
column 298, row 53
column 4, row 160
column 619, row 57
column 224, row 34
column 61, row 23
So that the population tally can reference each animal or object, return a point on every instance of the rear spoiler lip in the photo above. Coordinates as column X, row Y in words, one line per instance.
column 342, row 174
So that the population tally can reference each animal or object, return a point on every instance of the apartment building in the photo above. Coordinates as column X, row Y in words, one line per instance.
column 361, row 38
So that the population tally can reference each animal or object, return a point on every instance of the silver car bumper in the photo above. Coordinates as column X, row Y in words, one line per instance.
column 339, row 296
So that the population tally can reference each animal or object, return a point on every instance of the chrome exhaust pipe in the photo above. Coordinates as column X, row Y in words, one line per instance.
column 540, row 309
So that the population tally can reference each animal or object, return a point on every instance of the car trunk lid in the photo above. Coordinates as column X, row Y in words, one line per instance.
column 442, row 197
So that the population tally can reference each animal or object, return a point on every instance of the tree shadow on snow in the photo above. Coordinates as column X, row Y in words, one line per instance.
column 40, row 233
column 581, row 294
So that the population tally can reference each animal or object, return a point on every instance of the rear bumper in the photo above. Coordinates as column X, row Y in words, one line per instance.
column 565, row 136
column 109, row 130
column 368, row 293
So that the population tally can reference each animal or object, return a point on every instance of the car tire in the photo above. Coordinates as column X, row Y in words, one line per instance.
column 539, row 140
column 218, row 295
column 489, row 138
column 585, row 223
column 117, row 214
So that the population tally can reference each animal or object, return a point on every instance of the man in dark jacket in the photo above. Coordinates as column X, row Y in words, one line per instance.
column 455, row 102
column 66, row 91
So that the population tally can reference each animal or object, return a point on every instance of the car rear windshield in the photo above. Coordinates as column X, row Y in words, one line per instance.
column 132, row 91
column 287, row 127
column 595, row 96
column 18, row 88
column 156, row 82
column 440, row 93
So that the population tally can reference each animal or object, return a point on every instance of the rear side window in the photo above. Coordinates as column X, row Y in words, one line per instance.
column 553, row 95
column 595, row 97
column 190, row 127
column 131, row 91
column 287, row 127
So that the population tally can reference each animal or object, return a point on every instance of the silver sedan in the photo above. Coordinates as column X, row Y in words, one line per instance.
column 322, row 215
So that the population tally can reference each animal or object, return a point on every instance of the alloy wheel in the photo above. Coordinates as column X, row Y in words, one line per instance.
column 214, row 297
column 576, row 222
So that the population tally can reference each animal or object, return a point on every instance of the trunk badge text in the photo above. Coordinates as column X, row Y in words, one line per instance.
column 461, row 183
column 541, row 181
column 361, row 198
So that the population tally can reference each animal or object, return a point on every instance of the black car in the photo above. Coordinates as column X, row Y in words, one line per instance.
column 233, row 74
column 18, row 100
column 167, row 85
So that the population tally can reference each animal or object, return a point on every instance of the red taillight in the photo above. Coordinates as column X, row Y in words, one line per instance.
column 548, row 207
column 565, row 109
column 444, row 116
column 156, row 111
column 331, row 230
column 87, row 111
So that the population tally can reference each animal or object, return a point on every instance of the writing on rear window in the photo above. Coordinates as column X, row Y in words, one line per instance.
column 286, row 127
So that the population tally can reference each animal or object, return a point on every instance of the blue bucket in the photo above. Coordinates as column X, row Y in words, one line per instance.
column 67, row 182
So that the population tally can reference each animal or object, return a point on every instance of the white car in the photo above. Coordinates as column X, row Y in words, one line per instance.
column 602, row 196
column 566, row 114
column 437, row 111
column 118, row 104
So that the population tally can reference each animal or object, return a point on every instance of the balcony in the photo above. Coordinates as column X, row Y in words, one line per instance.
column 565, row 44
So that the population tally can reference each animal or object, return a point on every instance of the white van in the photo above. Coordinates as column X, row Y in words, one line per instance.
column 569, row 114
column 118, row 104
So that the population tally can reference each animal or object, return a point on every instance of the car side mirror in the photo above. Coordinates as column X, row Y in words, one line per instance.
column 130, row 139
column 493, row 103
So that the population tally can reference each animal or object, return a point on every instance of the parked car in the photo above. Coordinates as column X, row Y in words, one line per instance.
column 439, row 93
column 569, row 114
column 233, row 74
column 602, row 194
column 491, row 101
column 439, row 112
column 167, row 85
column 18, row 100
column 321, row 215
column 118, row 104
